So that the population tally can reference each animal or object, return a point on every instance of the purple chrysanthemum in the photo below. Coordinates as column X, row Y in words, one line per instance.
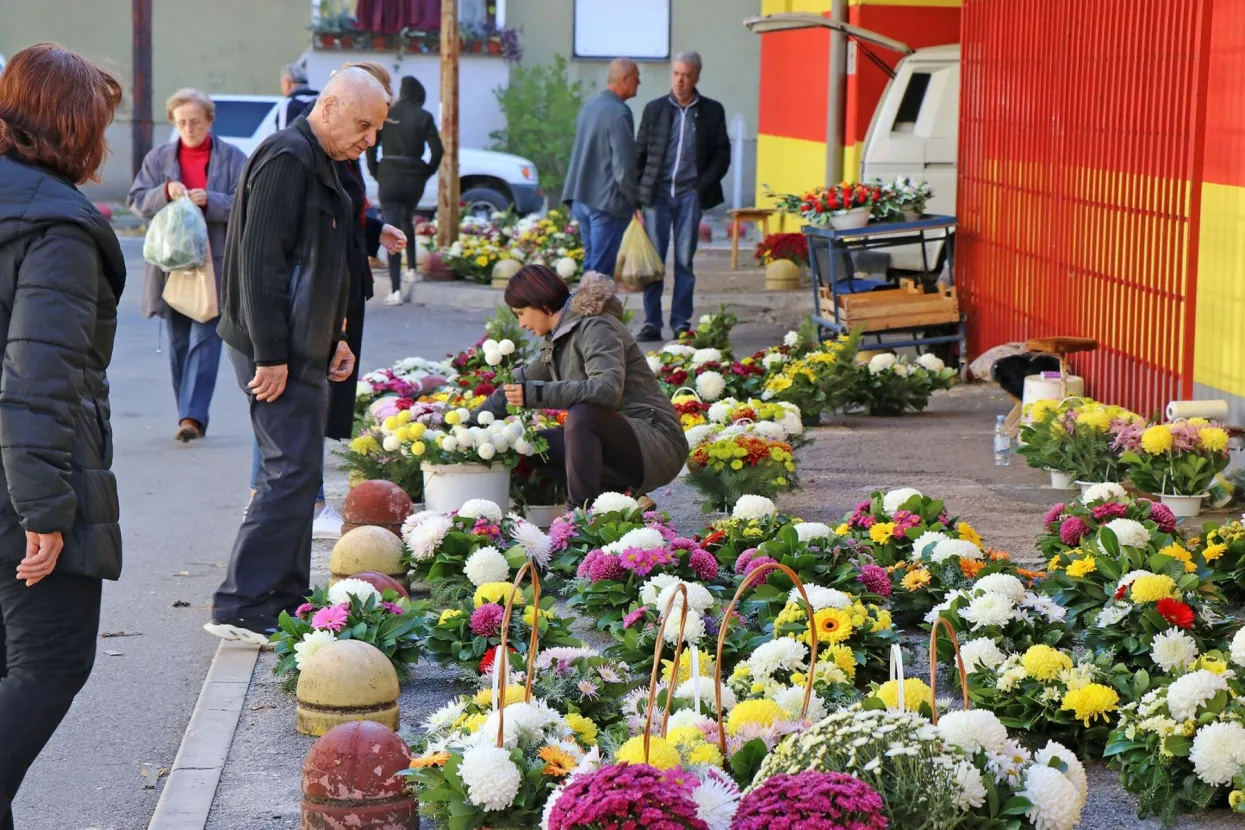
column 876, row 580
column 634, row 617
column 812, row 799
column 486, row 620
column 1053, row 516
column 704, row 565
column 1073, row 530
column 606, row 566
column 682, row 543
column 562, row 531
column 634, row 796
column 758, row 561
column 1163, row 516
column 1109, row 510
column 392, row 608
column 585, row 565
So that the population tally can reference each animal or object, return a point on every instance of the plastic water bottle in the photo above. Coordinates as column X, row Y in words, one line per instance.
column 1002, row 443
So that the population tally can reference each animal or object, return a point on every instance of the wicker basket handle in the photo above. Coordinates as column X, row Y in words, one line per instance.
column 680, row 590
column 933, row 666
column 501, row 665
column 753, row 577
column 695, row 394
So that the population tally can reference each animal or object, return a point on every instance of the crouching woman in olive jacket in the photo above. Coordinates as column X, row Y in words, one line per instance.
column 621, row 431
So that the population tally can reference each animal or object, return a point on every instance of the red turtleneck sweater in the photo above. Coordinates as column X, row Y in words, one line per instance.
column 194, row 164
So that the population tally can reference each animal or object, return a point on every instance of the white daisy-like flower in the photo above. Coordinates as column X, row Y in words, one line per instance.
column 1173, row 649
column 644, row 538
column 1075, row 769
column 480, row 509
column 791, row 699
column 820, row 597
column 1237, row 650
column 311, row 642
column 896, row 499
column 751, row 507
column 1129, row 533
column 1045, row 606
column 687, row 691
column 1218, row 752
column 654, row 586
column 970, row 787
column 614, row 503
column 424, row 539
column 654, row 363
column 1005, row 584
column 492, row 779
column 1007, row 766
column 486, row 565
column 1190, row 692
column 931, row 362
column 717, row 800
column 347, row 588
column 961, row 548
column 416, row 519
column 693, row 629
column 879, row 363
column 446, row 716
column 974, row 730
column 811, row 531
column 524, row 722
column 784, row 653
column 1107, row 491
column 678, row 350
column 923, row 543
column 772, row 359
column 536, row 544
column 791, row 339
column 981, row 653
column 1054, row 799
column 989, row 609
column 710, row 385
column 698, row 597
column 702, row 356
column 1111, row 615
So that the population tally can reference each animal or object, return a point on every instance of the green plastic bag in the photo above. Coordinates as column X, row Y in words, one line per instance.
column 177, row 237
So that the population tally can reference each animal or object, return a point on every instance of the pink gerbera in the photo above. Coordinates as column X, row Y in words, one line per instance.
column 331, row 618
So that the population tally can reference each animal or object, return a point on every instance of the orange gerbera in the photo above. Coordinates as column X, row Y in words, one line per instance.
column 1032, row 576
column 558, row 762
column 971, row 567
column 436, row 759
column 999, row 556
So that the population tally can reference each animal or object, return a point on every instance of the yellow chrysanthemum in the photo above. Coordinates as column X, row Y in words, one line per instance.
column 1175, row 551
column 685, row 737
column 916, row 580
column 754, row 713
column 492, row 592
column 1045, row 663
column 833, row 625
column 364, row 445
column 842, row 530
column 484, row 697
column 1236, row 799
column 1054, row 563
column 882, row 619
column 472, row 723
column 1096, row 419
column 558, row 762
column 1152, row 588
column 1210, row 664
column 838, row 654
column 1157, row 439
column 1082, row 567
column 881, row 532
column 968, row 533
column 915, row 692
column 661, row 754
column 1213, row 439
column 584, row 728
column 530, row 615
column 705, row 661
column 705, row 753
column 1091, row 701
column 1213, row 552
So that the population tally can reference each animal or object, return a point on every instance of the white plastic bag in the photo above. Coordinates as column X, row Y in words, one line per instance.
column 177, row 237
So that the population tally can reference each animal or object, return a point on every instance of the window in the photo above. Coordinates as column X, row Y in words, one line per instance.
column 607, row 29
column 240, row 119
column 910, row 106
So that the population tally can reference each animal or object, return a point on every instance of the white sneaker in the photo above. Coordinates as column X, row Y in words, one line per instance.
column 408, row 276
column 328, row 525
column 394, row 298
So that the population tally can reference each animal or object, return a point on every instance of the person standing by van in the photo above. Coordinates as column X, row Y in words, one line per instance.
column 401, row 173
column 299, row 97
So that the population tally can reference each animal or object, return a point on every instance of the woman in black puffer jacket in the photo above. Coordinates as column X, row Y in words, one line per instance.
column 61, row 273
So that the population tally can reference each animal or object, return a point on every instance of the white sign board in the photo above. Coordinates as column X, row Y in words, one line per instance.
column 608, row 29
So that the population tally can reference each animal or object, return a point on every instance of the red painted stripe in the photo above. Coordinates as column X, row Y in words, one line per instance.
column 795, row 79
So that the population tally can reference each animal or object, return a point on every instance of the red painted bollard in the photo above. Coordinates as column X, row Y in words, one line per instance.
column 383, row 582
column 706, row 232
column 376, row 502
column 350, row 781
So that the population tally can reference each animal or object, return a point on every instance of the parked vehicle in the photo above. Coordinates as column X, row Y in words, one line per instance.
column 489, row 181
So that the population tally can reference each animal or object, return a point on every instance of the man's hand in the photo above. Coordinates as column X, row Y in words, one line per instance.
column 392, row 238
column 199, row 197
column 175, row 190
column 514, row 394
column 42, row 551
column 343, row 362
column 269, row 382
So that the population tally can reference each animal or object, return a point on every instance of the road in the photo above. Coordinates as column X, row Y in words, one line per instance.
column 180, row 508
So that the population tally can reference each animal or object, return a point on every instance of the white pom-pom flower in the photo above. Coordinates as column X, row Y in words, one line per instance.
column 342, row 591
column 1237, row 651
column 489, row 345
column 698, row 597
column 961, row 548
column 391, row 443
column 311, row 642
column 492, row 779
column 989, row 609
column 879, row 363
column 710, row 385
column 896, row 499
column 1173, row 650
column 791, row 339
column 614, row 503
column 751, row 507
column 493, row 358
column 506, row 347
column 1075, row 771
column 974, row 730
column 480, row 509
column 931, row 362
column 644, row 538
column 1106, row 491
column 981, row 653
column 1218, row 752
column 970, row 786
column 1129, row 533
column 702, row 356
column 486, row 452
column 485, row 418
column 1005, row 584
column 424, row 538
column 486, row 565
column 922, row 547
column 1190, row 692
column 820, row 598
column 811, row 531
column 653, row 588
column 1054, row 799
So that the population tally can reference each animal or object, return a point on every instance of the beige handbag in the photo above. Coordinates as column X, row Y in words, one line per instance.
column 192, row 291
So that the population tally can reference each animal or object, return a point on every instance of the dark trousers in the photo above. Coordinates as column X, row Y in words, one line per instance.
column 601, row 234
column 595, row 452
column 47, row 649
column 399, row 210
column 270, row 566
column 194, row 358
column 682, row 213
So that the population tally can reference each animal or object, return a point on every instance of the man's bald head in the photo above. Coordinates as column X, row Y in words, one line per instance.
column 349, row 111
column 623, row 78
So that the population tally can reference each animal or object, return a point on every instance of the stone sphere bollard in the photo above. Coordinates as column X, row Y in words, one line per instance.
column 366, row 548
column 782, row 275
column 503, row 270
column 383, row 582
column 346, row 680
column 350, row 780
column 376, row 502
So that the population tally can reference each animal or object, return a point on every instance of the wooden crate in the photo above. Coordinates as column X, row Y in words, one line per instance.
column 904, row 307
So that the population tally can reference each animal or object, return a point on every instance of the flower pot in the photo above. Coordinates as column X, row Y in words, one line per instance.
column 1060, row 481
column 1185, row 507
column 346, row 41
column 494, row 47
column 380, row 43
column 447, row 487
column 850, row 220
column 327, row 41
column 543, row 515
column 911, row 215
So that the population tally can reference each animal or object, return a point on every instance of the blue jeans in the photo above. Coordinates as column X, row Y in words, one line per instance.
column 257, row 461
column 683, row 213
column 194, row 357
column 602, row 234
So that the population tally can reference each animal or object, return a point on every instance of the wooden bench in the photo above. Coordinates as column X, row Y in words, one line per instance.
column 753, row 214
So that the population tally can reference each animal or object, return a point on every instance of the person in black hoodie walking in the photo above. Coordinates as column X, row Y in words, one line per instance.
column 401, row 173
column 61, row 274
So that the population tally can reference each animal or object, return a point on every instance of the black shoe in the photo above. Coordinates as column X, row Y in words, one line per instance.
column 256, row 630
column 649, row 334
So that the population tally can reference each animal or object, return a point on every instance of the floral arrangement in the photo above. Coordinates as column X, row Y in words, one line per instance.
column 754, row 520
column 1041, row 443
column 733, row 466
column 350, row 610
column 941, row 564
column 783, row 415
column 902, row 199
column 585, row 683
column 1090, row 437
column 792, row 246
column 777, row 670
column 1223, row 546
column 891, row 523
column 693, row 412
column 611, row 516
column 393, row 448
column 812, row 799
column 457, row 553
column 816, row 206
column 820, row 380
column 1001, row 608
column 1178, row 459
column 503, row 441
column 712, row 372
column 817, row 556
column 552, row 240
column 854, row 635
column 888, row 385
column 632, row 796
column 713, row 331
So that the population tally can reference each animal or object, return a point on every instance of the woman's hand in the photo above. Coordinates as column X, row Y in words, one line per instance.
column 175, row 190
column 199, row 197
column 514, row 394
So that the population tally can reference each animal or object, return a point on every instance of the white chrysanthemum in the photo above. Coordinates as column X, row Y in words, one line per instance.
column 720, row 411
column 311, row 642
column 791, row 699
column 416, row 519
column 485, row 418
column 1045, row 606
column 687, row 691
column 896, row 499
column 751, row 507
column 536, row 544
column 784, row 653
column 717, row 800
column 653, row 588
column 506, row 347
column 424, row 539
column 770, row 430
column 974, row 730
column 654, row 363
column 614, row 503
column 678, row 350
column 773, row 359
column 811, row 531
column 1173, row 649
column 1188, row 693
column 480, row 509
column 820, row 597
column 1005, row 584
column 1218, row 752
column 923, row 542
column 931, row 362
column 698, row 597
column 710, row 385
column 524, row 447
column 391, row 443
column 981, row 653
column 693, row 629
column 989, row 609
column 524, row 722
column 644, row 538
column 970, row 787
column 1056, row 803
column 491, row 778
column 1129, row 533
column 791, row 339
column 961, row 548
column 880, row 363
column 700, row 434
column 1075, row 771
column 1237, row 651
column 446, row 716
column 347, row 588
column 1111, row 615
column 486, row 565
column 1107, row 491
column 690, row 717
column 702, row 356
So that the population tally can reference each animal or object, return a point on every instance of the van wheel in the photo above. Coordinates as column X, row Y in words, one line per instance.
column 483, row 202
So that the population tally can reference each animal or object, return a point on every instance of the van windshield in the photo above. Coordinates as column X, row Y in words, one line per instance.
column 240, row 119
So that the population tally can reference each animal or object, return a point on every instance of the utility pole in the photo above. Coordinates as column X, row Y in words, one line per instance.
column 448, row 190
column 140, row 117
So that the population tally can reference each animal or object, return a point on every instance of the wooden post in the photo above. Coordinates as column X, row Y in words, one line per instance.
column 140, row 117
column 448, row 189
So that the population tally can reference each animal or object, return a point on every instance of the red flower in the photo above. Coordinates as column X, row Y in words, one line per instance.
column 486, row 663
column 1175, row 612
column 1121, row 591
column 713, row 538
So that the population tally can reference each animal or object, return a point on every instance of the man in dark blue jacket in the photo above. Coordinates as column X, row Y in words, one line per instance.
column 299, row 97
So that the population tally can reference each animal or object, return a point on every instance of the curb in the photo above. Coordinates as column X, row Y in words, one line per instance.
column 190, row 790
column 471, row 297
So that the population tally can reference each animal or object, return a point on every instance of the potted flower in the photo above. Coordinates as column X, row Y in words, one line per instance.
column 902, row 200
column 819, row 381
column 888, row 385
column 738, row 465
column 1041, row 447
column 1178, row 461
column 611, row 516
column 845, row 206
column 713, row 331
column 1090, row 437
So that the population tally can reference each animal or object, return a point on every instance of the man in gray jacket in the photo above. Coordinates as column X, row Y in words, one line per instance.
column 602, row 187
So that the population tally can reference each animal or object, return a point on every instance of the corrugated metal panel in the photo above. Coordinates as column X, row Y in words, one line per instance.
column 1080, row 167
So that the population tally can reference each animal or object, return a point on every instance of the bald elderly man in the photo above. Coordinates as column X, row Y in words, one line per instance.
column 602, row 186
column 283, row 312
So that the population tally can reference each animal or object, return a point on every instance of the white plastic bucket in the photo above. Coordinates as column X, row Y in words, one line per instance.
column 1185, row 507
column 1038, row 388
column 448, row 487
column 1060, row 481
column 543, row 516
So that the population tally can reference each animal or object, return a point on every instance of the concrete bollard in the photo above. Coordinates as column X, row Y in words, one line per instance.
column 367, row 548
column 346, row 680
column 376, row 502
column 349, row 781
column 782, row 275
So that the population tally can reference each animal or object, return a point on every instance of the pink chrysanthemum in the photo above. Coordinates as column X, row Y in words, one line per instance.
column 1053, row 516
column 392, row 608
column 703, row 565
column 562, row 531
column 1109, row 510
column 1163, row 516
column 331, row 618
column 876, row 580
column 741, row 564
column 486, row 620
column 812, row 799
column 1073, row 530
column 634, row 617
column 606, row 566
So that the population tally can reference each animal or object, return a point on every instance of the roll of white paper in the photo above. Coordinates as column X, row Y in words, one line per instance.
column 1210, row 410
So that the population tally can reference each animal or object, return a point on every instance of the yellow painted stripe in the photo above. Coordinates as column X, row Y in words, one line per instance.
column 781, row 6
column 788, row 165
column 851, row 161
column 938, row 4
column 1219, row 348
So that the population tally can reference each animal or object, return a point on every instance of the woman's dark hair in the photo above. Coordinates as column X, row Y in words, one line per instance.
column 54, row 108
column 536, row 286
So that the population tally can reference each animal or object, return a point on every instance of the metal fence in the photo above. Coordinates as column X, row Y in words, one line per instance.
column 1080, row 174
